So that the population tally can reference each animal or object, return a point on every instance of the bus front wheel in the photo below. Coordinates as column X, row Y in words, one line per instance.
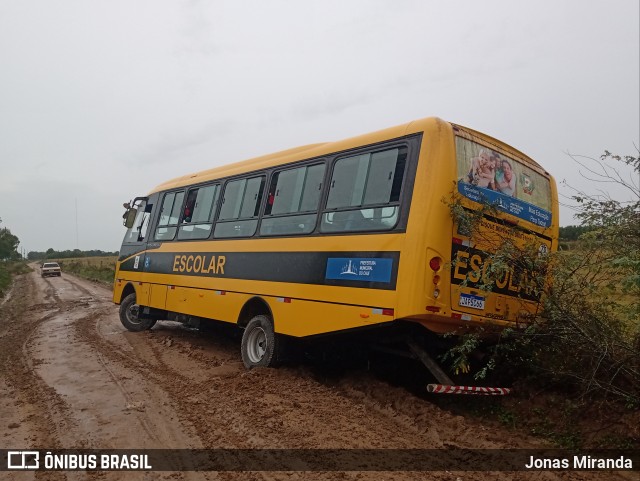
column 130, row 315
column 260, row 343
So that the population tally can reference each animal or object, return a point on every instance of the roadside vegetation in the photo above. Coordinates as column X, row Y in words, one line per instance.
column 95, row 265
column 99, row 269
column 576, row 368
column 9, row 269
column 10, row 260
column 53, row 254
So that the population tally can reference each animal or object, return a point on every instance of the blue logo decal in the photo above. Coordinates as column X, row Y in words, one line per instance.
column 359, row 269
column 147, row 263
column 506, row 203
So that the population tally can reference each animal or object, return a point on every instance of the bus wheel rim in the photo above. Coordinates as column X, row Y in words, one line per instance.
column 256, row 345
column 132, row 313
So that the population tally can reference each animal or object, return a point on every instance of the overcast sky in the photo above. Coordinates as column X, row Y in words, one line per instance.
column 100, row 101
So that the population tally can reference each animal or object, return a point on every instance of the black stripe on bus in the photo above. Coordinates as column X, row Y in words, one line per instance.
column 292, row 267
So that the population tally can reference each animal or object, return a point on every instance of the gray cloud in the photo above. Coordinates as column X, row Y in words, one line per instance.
column 101, row 101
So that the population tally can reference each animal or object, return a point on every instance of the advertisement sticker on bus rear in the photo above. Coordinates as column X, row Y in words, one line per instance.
column 485, row 175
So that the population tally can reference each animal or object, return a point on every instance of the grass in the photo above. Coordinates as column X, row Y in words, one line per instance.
column 100, row 269
column 597, row 279
column 8, row 269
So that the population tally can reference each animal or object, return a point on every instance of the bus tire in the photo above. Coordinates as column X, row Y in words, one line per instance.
column 129, row 315
column 260, row 343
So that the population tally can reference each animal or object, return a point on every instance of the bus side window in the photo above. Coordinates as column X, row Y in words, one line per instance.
column 293, row 201
column 364, row 193
column 169, row 216
column 198, row 212
column 240, row 207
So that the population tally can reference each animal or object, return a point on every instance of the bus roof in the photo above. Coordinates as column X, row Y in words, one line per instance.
column 318, row 150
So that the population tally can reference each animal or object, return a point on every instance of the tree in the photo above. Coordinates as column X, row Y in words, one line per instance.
column 593, row 303
column 614, row 223
column 8, row 244
column 573, row 232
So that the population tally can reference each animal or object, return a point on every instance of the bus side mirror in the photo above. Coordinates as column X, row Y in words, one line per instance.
column 130, row 217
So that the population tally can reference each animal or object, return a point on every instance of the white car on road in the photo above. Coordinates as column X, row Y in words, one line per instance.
column 50, row 269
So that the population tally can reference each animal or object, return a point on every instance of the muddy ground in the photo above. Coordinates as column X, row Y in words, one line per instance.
column 72, row 377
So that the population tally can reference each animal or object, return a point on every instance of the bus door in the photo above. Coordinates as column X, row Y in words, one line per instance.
column 165, row 228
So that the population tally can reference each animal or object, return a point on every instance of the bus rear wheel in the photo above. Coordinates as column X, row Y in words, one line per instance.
column 260, row 343
column 130, row 315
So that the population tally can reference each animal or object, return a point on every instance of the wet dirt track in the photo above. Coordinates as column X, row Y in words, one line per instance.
column 72, row 377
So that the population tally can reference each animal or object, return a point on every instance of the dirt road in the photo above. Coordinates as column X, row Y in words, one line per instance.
column 72, row 377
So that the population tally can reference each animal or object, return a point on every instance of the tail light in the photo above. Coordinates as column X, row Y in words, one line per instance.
column 435, row 263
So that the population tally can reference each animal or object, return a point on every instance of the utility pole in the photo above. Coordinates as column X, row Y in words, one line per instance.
column 76, row 223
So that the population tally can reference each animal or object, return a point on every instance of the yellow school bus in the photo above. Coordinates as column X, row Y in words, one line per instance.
column 337, row 236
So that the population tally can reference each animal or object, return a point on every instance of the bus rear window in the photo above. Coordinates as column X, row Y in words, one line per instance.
column 485, row 175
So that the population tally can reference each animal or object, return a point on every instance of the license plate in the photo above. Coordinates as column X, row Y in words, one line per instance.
column 471, row 301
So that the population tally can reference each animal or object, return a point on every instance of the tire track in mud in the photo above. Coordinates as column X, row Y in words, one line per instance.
column 238, row 424
column 154, row 368
column 131, row 403
column 290, row 408
column 53, row 307
column 202, row 412
column 143, row 400
column 132, row 422
column 259, row 404
column 192, row 410
column 188, row 389
column 35, row 408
